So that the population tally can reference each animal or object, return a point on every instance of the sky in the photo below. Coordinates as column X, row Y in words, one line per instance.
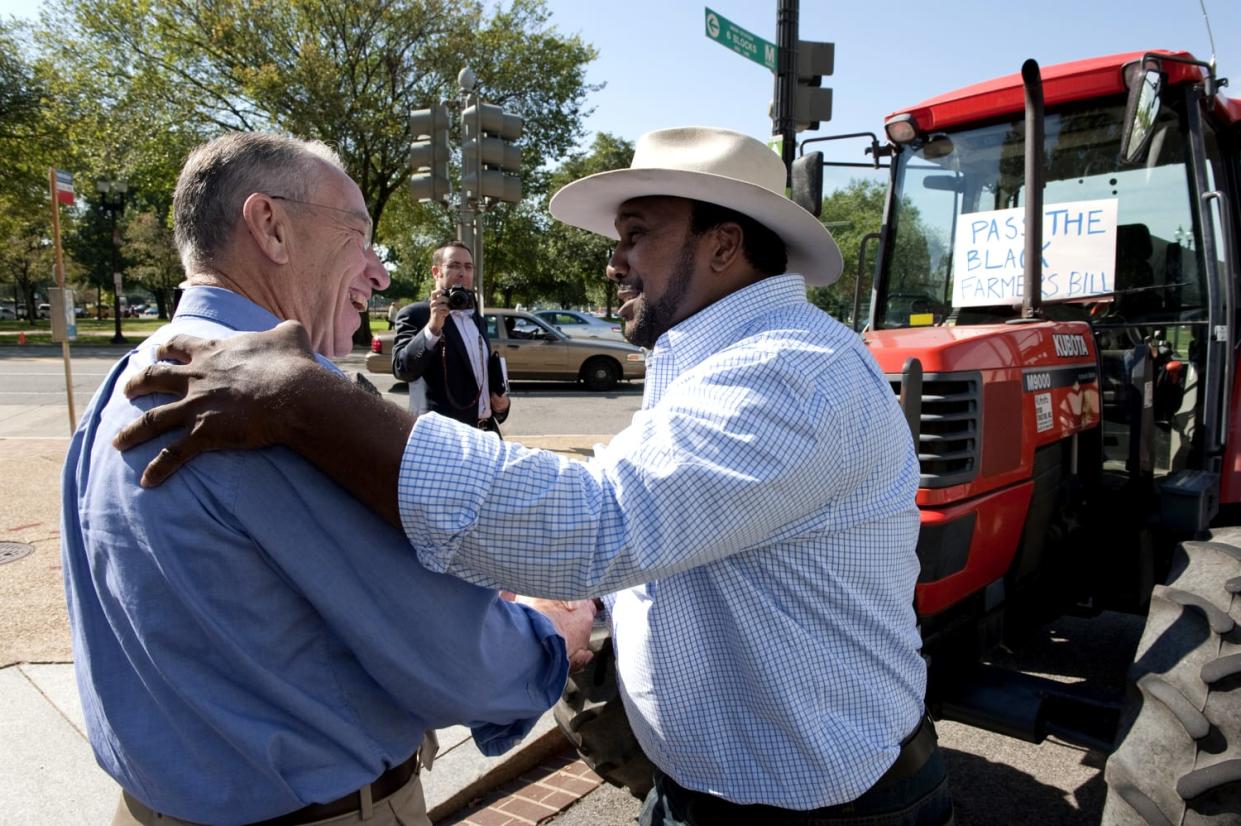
column 659, row 68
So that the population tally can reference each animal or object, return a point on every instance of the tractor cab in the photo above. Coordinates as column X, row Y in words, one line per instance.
column 1136, row 243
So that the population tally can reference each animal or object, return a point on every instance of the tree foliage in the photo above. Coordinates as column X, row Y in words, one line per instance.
column 153, row 258
column 851, row 213
column 580, row 258
column 347, row 73
column 143, row 81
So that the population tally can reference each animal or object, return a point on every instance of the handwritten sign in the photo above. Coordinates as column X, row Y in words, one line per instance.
column 1078, row 259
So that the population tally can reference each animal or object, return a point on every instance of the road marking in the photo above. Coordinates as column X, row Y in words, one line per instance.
column 60, row 373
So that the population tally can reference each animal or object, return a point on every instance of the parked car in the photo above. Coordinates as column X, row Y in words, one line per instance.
column 533, row 349
column 7, row 313
column 576, row 323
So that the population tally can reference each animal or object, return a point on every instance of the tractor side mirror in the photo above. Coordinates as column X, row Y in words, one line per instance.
column 807, row 177
column 1140, row 113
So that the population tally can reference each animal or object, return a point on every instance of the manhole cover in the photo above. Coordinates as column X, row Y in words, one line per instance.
column 10, row 551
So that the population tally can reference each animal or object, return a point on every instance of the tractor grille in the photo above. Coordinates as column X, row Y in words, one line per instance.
column 948, row 439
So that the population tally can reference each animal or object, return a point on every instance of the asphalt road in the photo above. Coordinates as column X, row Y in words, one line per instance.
column 33, row 398
column 995, row 780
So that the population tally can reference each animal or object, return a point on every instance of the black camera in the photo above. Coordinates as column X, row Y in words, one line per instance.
column 459, row 298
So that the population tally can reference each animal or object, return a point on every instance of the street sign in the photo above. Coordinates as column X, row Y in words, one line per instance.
column 747, row 44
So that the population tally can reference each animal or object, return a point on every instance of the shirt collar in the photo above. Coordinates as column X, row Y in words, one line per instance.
column 232, row 310
column 224, row 307
column 718, row 325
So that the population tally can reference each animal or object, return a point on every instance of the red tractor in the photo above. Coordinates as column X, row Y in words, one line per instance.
column 1055, row 300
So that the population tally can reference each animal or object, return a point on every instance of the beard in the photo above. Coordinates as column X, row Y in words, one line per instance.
column 652, row 319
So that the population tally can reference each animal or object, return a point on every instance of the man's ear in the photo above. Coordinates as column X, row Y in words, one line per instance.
column 267, row 226
column 725, row 247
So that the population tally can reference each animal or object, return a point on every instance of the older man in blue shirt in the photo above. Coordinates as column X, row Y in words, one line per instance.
column 251, row 643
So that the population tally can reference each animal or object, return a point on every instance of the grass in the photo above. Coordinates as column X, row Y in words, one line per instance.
column 91, row 332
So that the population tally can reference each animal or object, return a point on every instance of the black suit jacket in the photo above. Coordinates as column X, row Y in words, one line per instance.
column 451, row 388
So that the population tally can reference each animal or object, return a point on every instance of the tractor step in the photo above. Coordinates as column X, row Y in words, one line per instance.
column 1030, row 708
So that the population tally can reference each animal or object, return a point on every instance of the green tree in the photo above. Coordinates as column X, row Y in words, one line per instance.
column 577, row 259
column 153, row 258
column 24, row 130
column 25, row 258
column 343, row 72
column 30, row 143
column 851, row 213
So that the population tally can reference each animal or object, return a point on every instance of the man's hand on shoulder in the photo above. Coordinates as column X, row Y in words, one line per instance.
column 243, row 392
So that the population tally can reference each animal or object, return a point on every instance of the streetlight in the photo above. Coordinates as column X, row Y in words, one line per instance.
column 112, row 196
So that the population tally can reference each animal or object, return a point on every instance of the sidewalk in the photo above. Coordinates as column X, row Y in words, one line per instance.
column 45, row 760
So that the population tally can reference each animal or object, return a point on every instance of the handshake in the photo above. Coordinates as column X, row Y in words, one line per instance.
column 573, row 620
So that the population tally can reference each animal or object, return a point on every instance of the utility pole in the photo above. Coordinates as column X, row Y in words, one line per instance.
column 785, row 93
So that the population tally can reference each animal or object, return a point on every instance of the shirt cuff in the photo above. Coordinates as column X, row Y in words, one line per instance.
column 446, row 472
column 432, row 338
column 493, row 739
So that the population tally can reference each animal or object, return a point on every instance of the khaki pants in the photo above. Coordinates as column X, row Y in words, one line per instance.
column 405, row 807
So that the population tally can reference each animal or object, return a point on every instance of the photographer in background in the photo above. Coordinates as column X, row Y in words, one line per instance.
column 444, row 342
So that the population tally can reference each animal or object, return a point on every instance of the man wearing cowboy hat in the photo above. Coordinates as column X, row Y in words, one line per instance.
column 754, row 525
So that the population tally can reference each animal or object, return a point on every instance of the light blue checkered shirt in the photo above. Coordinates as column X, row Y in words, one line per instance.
column 756, row 522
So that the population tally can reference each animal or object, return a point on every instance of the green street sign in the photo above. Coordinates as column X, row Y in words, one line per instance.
column 747, row 44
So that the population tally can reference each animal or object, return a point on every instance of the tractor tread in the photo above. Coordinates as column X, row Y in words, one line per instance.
column 1190, row 718
column 1178, row 750
column 591, row 716
column 1221, row 668
column 1208, row 778
column 1145, row 808
column 1220, row 622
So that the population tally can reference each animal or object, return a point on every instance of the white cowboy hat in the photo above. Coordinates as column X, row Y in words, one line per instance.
column 717, row 166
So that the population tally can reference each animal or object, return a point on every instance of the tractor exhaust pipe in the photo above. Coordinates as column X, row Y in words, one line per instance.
column 1032, row 303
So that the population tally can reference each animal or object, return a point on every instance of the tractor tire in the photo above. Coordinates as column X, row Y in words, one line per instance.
column 1178, row 754
column 592, row 717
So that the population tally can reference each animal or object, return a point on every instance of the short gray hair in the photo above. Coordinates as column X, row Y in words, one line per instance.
column 219, row 175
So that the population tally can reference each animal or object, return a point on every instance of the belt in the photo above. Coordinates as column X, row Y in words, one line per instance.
column 383, row 786
column 915, row 750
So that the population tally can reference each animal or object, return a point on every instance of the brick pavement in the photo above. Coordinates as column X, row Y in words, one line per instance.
column 541, row 793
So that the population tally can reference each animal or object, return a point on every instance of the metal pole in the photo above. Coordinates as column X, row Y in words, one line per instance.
column 478, row 195
column 478, row 256
column 60, row 283
column 114, row 204
column 786, row 82
column 1032, row 81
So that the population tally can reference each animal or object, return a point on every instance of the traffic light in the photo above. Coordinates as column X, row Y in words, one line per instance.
column 808, row 182
column 489, row 133
column 812, row 104
column 429, row 153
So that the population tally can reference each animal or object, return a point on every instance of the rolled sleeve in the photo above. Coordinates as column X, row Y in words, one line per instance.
column 445, row 475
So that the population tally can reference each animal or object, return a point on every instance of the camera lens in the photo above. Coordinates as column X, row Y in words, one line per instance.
column 459, row 298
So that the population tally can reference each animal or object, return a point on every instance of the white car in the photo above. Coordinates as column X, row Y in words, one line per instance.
column 578, row 324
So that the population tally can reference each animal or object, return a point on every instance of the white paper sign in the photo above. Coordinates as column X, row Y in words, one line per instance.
column 1079, row 253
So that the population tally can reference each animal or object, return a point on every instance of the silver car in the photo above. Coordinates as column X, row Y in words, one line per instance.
column 577, row 324
column 533, row 349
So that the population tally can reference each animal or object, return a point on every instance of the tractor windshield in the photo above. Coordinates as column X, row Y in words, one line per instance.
column 1118, row 238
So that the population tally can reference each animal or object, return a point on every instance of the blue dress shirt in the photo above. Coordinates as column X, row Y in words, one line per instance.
column 759, row 516
column 249, row 639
